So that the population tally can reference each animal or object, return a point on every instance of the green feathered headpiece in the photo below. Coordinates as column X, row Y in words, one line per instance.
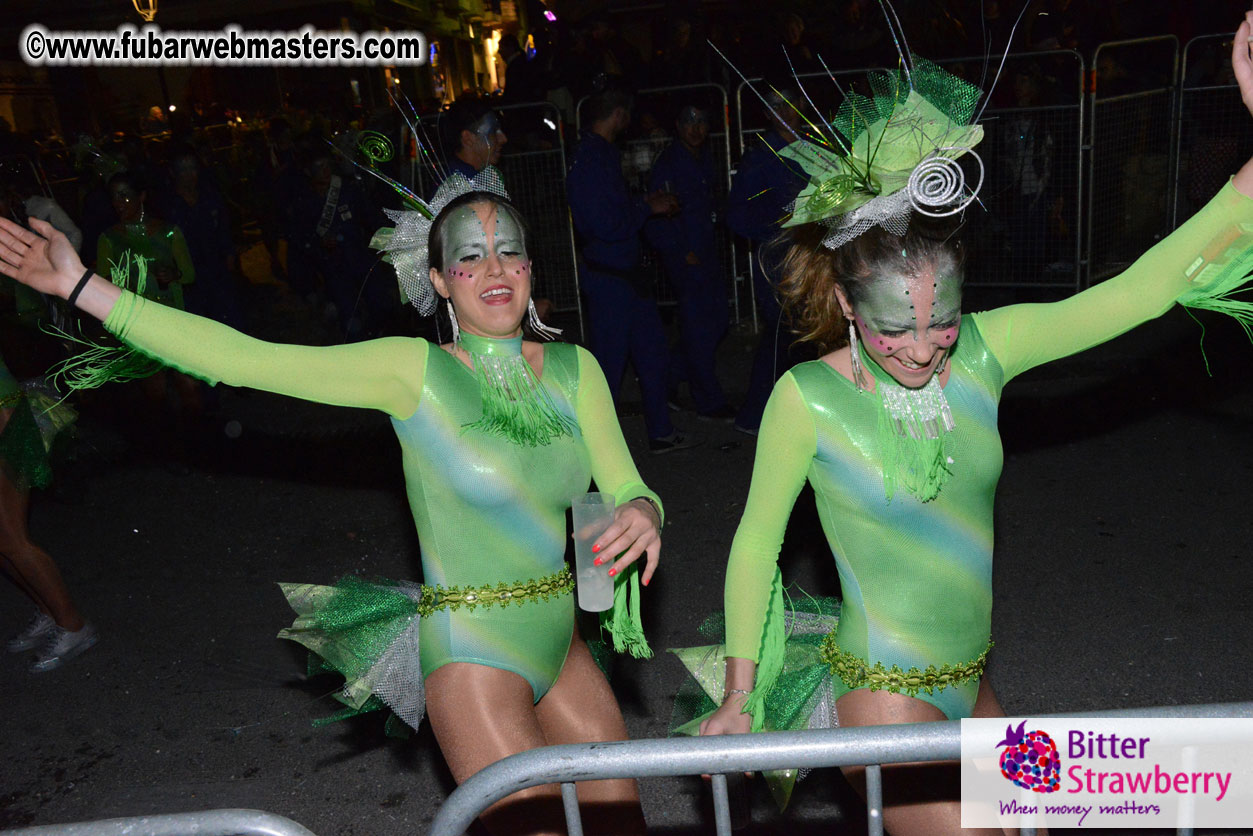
column 891, row 153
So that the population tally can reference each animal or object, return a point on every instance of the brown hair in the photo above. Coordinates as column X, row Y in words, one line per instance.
column 812, row 271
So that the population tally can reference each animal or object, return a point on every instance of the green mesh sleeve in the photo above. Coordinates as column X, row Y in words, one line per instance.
column 785, row 447
column 613, row 469
column 384, row 374
column 1022, row 337
column 614, row 472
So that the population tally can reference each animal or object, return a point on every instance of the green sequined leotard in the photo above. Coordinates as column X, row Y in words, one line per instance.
column 486, row 510
column 917, row 576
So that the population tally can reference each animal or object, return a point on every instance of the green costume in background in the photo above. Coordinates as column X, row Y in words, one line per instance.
column 166, row 250
column 917, row 576
column 27, row 437
column 490, row 513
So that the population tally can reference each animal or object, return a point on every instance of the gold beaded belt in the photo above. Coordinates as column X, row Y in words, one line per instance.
column 857, row 672
column 435, row 598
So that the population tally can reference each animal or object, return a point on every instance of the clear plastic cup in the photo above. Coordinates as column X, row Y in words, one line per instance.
column 593, row 513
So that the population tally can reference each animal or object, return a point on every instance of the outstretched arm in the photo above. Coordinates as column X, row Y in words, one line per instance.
column 380, row 374
column 786, row 447
column 1024, row 336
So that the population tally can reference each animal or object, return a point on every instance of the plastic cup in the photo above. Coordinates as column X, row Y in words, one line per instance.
column 593, row 513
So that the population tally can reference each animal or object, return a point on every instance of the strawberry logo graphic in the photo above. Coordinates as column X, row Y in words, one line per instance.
column 1030, row 759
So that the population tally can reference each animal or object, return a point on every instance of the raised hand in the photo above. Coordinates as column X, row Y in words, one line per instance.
column 42, row 259
column 1241, row 64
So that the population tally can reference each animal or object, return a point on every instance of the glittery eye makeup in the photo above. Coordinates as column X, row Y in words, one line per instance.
column 474, row 232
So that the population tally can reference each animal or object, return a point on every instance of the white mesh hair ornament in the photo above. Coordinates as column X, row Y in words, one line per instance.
column 406, row 245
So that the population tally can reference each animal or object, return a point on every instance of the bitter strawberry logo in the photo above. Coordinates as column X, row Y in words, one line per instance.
column 1030, row 759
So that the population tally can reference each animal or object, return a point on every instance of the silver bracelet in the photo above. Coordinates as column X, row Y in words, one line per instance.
column 731, row 691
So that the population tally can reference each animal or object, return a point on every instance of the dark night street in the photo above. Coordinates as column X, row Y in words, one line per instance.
column 1123, row 579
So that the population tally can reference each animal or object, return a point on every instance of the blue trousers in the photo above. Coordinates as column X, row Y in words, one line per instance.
column 703, row 321
column 771, row 358
column 623, row 325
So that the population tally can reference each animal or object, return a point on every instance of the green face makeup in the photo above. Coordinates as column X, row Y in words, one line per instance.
column 908, row 322
column 471, row 234
column 895, row 303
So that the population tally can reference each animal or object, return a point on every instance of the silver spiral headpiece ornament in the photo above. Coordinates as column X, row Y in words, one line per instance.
column 406, row 246
column 939, row 183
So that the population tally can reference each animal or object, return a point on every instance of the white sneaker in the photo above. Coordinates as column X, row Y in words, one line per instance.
column 32, row 633
column 61, row 646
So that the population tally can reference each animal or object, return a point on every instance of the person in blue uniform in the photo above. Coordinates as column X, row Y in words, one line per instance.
column 331, row 227
column 472, row 137
column 762, row 189
column 623, row 318
column 197, row 208
column 689, row 253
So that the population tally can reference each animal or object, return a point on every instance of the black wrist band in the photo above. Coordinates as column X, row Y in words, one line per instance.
column 78, row 288
column 652, row 505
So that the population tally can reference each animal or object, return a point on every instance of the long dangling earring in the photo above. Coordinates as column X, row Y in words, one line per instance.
column 456, row 330
column 853, row 354
column 540, row 329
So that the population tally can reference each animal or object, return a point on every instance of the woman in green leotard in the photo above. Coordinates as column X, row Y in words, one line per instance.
column 497, row 434
column 897, row 435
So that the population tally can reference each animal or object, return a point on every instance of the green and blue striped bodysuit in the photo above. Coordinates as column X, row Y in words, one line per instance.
column 486, row 510
column 917, row 576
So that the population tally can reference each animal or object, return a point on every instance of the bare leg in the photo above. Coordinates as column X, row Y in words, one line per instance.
column 581, row 708
column 482, row 714
column 30, row 567
column 919, row 799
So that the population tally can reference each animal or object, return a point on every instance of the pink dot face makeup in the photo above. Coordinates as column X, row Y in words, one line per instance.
column 908, row 322
column 486, row 271
column 473, row 234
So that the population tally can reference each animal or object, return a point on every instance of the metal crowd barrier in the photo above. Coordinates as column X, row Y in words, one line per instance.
column 869, row 746
column 207, row 823
column 1130, row 198
column 1213, row 128
column 822, row 91
column 1028, row 230
column 655, row 108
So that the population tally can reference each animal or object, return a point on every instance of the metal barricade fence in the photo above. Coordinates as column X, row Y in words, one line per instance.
column 1214, row 134
column 1026, row 229
column 533, row 164
column 822, row 91
column 1131, row 181
column 869, row 746
column 658, row 107
column 207, row 823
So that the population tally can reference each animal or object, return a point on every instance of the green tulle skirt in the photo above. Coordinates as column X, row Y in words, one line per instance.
column 802, row 696
column 27, row 437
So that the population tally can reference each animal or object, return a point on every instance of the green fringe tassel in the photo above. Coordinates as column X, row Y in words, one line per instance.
column 917, row 464
column 1217, row 292
column 622, row 620
column 104, row 362
column 516, row 406
column 773, row 655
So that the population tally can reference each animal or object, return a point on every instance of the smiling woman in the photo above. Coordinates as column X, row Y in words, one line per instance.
column 497, row 434
column 895, row 426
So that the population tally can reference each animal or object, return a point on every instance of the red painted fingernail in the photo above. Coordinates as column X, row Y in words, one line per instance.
column 646, row 582
column 613, row 572
column 595, row 548
column 598, row 561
